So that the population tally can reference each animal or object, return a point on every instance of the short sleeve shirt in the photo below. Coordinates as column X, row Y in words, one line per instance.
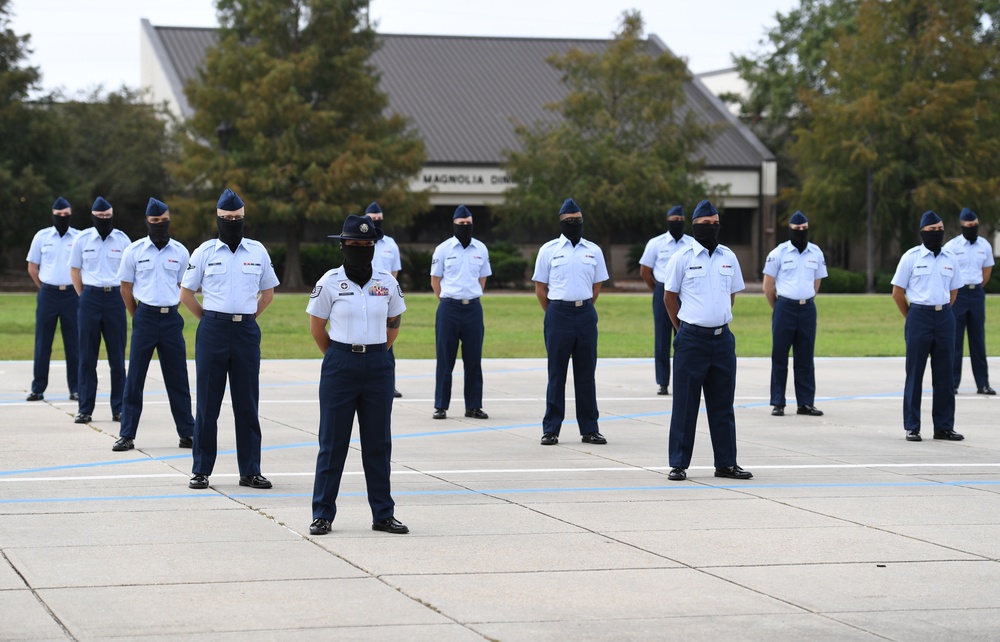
column 357, row 314
column 386, row 255
column 460, row 268
column 99, row 259
column 230, row 282
column 570, row 272
column 51, row 252
column 972, row 257
column 795, row 272
column 658, row 251
column 705, row 284
column 155, row 274
column 928, row 279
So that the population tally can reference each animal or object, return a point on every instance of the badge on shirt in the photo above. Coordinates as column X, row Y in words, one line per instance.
column 377, row 289
column 316, row 291
column 190, row 266
column 399, row 290
column 344, row 285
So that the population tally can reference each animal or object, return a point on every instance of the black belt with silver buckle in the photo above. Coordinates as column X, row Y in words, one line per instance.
column 935, row 308
column 358, row 348
column 799, row 301
column 156, row 308
column 571, row 304
column 235, row 318
column 101, row 288
column 700, row 329
column 462, row 301
column 974, row 286
column 61, row 288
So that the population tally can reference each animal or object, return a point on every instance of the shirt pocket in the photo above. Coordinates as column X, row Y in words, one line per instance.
column 726, row 273
column 452, row 266
column 114, row 260
column 251, row 276
column 90, row 259
column 693, row 281
column 172, row 269
column 144, row 266
column 216, row 278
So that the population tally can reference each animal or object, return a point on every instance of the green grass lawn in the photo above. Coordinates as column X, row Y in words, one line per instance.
column 849, row 326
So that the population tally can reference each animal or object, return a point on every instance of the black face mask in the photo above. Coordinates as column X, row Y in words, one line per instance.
column 932, row 240
column 358, row 262
column 61, row 224
column 159, row 233
column 799, row 239
column 971, row 233
column 676, row 229
column 572, row 228
column 463, row 233
column 103, row 225
column 230, row 232
column 707, row 234
column 378, row 223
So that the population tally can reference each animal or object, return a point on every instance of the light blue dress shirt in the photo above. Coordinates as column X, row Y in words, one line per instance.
column 51, row 252
column 155, row 274
column 386, row 255
column 230, row 282
column 97, row 259
column 795, row 273
column 658, row 251
column 972, row 257
column 357, row 314
column 461, row 268
column 570, row 272
column 928, row 279
column 704, row 283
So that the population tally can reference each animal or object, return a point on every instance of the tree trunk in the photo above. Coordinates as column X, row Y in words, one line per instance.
column 292, row 278
column 606, row 247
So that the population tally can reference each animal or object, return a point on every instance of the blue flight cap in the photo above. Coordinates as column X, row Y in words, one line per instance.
column 704, row 208
column 929, row 218
column 100, row 205
column 229, row 201
column 461, row 212
column 61, row 204
column 373, row 209
column 569, row 206
column 798, row 218
column 155, row 207
column 676, row 210
column 966, row 215
column 358, row 228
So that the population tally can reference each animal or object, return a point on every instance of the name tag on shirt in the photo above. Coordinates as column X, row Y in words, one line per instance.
column 922, row 269
column 695, row 271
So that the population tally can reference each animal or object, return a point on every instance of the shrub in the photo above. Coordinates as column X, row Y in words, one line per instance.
column 507, row 265
column 317, row 259
column 634, row 254
column 415, row 273
column 840, row 281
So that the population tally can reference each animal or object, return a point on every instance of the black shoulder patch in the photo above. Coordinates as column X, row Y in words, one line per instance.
column 316, row 291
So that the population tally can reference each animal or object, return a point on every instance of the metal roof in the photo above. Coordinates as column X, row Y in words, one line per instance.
column 464, row 94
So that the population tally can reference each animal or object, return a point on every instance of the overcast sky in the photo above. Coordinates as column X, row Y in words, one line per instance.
column 81, row 44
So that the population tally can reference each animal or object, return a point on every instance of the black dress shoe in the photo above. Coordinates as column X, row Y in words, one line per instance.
column 913, row 435
column 185, row 442
column 778, row 411
column 440, row 413
column 320, row 526
column 550, row 439
column 74, row 396
column 593, row 438
column 36, row 396
column 476, row 413
column 198, row 481
column 948, row 435
column 812, row 411
column 677, row 474
column 123, row 443
column 663, row 391
column 391, row 525
column 254, row 481
column 397, row 394
column 116, row 417
column 82, row 418
column 733, row 472
column 985, row 390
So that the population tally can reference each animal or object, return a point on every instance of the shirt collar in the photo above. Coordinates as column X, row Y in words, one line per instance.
column 219, row 243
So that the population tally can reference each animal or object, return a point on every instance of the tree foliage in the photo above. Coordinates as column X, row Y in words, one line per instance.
column 625, row 147
column 911, row 93
column 310, row 138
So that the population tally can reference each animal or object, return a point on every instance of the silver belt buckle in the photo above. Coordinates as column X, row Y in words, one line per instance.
column 717, row 331
column 465, row 301
column 802, row 301
column 358, row 348
column 938, row 308
column 107, row 288
column 164, row 310
column 578, row 304
column 237, row 318
column 971, row 287
column 62, row 288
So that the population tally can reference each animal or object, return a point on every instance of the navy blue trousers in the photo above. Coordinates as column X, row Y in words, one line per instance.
column 929, row 333
column 459, row 323
column 970, row 315
column 353, row 383
column 793, row 325
column 101, row 314
column 164, row 333
column 662, row 332
column 571, row 332
column 223, row 349
column 54, row 305
column 703, row 361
